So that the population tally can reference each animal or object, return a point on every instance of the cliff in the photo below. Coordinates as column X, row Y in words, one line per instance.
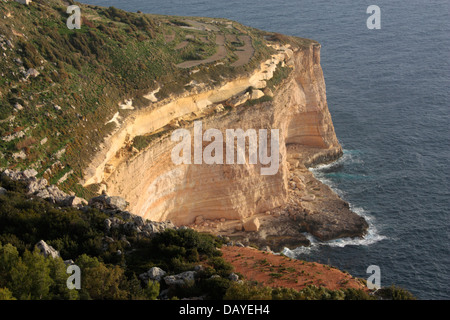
column 93, row 110
column 221, row 198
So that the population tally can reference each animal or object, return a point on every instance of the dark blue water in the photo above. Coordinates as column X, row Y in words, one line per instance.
column 388, row 93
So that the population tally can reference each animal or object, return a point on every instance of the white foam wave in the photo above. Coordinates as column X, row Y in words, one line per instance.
column 349, row 157
column 372, row 235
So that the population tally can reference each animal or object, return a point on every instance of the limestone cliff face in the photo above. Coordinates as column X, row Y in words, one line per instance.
column 157, row 189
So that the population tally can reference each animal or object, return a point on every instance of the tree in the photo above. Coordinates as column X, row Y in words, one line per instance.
column 31, row 277
column 5, row 294
column 99, row 281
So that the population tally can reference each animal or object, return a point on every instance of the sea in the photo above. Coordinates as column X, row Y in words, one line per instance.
column 388, row 94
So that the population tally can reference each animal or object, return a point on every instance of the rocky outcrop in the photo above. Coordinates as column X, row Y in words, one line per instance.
column 154, row 274
column 46, row 250
column 119, row 220
column 105, row 202
column 40, row 188
column 27, row 2
column 180, row 279
column 129, row 223
column 252, row 224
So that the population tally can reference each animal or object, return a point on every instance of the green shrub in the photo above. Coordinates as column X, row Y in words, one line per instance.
column 215, row 288
column 5, row 294
column 151, row 292
column 394, row 293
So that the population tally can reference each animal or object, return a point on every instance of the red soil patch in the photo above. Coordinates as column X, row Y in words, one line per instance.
column 280, row 271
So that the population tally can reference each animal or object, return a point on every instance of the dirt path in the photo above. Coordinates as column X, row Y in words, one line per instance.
column 201, row 26
column 280, row 271
column 219, row 55
column 244, row 53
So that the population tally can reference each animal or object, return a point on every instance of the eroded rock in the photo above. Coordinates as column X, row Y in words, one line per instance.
column 180, row 279
column 252, row 225
column 155, row 274
column 47, row 250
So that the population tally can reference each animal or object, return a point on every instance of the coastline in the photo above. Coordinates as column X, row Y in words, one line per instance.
column 324, row 215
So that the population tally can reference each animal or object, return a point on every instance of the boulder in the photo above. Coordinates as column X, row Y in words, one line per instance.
column 139, row 221
column 219, row 108
column 233, row 277
column 239, row 100
column 131, row 227
column 29, row 173
column 155, row 274
column 36, row 185
column 19, row 155
column 2, row 191
column 32, row 73
column 46, row 250
column 53, row 194
column 267, row 249
column 199, row 219
column 26, row 2
column 105, row 202
column 256, row 94
column 74, row 201
column 118, row 203
column 125, row 215
column 180, row 279
column 268, row 92
column 252, row 225
column 113, row 222
column 18, row 107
